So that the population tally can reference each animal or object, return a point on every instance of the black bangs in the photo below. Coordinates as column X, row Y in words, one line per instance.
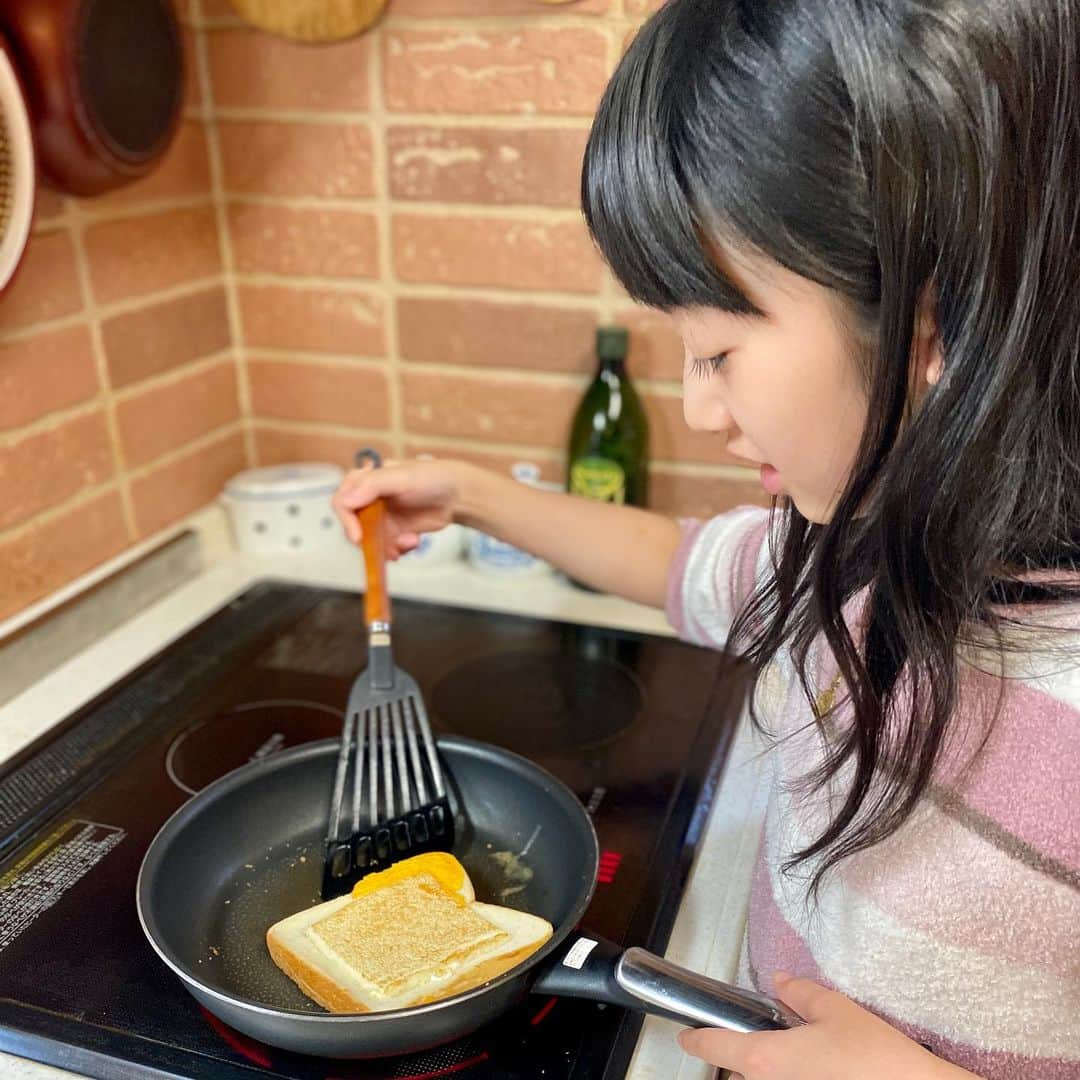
column 634, row 188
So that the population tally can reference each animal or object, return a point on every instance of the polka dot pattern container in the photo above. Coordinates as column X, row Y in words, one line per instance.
column 285, row 509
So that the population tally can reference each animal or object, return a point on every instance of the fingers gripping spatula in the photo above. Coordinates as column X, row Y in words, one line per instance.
column 389, row 798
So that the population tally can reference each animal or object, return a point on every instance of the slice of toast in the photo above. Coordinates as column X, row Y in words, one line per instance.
column 410, row 935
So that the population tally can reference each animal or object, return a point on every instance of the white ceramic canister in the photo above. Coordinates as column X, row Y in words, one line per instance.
column 438, row 548
column 496, row 557
column 285, row 509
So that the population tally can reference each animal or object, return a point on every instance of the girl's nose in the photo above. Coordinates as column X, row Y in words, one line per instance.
column 704, row 410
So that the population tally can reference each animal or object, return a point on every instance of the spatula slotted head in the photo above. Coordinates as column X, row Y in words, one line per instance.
column 389, row 797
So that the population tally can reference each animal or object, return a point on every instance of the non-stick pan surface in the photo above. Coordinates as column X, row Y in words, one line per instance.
column 247, row 851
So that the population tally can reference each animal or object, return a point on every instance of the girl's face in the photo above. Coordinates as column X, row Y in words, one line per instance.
column 783, row 388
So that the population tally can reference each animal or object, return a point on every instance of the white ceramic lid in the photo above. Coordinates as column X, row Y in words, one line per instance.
column 285, row 481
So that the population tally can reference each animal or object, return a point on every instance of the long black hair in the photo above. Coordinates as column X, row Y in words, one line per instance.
column 889, row 150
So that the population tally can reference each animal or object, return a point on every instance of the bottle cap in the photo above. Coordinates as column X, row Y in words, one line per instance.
column 612, row 342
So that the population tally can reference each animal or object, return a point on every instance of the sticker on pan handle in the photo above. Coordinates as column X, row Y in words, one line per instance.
column 38, row 880
column 579, row 953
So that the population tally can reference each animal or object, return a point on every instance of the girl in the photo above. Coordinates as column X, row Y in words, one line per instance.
column 863, row 218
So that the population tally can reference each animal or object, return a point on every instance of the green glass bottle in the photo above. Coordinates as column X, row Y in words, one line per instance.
column 609, row 438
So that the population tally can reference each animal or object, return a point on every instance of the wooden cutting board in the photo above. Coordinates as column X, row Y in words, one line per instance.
column 313, row 21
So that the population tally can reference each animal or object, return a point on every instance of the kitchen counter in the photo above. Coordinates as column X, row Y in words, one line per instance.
column 708, row 928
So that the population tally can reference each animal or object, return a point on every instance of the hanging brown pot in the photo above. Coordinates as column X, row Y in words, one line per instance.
column 104, row 84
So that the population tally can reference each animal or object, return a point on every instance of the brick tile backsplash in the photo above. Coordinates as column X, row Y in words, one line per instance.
column 526, row 71
column 375, row 241
column 165, row 335
column 277, row 445
column 168, row 415
column 46, row 283
column 138, row 255
column 49, row 554
column 486, row 165
column 49, row 371
column 47, row 467
column 514, row 253
column 268, row 157
column 509, row 410
column 320, row 243
column 485, row 334
column 176, row 488
column 695, row 495
column 307, row 390
column 253, row 70
column 281, row 316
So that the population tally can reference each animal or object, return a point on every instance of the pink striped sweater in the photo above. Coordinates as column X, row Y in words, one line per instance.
column 963, row 928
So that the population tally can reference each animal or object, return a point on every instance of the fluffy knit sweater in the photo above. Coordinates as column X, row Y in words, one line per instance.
column 962, row 929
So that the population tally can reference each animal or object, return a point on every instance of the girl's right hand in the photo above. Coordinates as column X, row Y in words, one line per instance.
column 419, row 497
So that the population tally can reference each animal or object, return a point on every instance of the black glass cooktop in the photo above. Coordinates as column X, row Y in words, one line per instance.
column 637, row 725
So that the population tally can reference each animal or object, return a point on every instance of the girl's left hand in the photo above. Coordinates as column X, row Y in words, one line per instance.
column 840, row 1041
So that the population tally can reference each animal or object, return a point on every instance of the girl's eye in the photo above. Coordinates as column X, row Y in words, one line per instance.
column 709, row 365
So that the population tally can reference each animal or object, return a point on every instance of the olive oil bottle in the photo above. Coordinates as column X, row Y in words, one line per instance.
column 608, row 458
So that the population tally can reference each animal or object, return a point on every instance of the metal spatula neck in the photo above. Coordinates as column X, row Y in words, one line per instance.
column 380, row 656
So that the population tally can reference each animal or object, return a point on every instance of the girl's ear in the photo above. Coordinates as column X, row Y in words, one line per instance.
column 928, row 359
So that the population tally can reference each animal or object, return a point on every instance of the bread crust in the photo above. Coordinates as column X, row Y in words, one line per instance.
column 337, row 999
column 313, row 982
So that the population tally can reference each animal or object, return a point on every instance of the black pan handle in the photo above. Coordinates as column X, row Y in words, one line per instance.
column 590, row 967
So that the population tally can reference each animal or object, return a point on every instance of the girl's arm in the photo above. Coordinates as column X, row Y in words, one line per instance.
column 617, row 549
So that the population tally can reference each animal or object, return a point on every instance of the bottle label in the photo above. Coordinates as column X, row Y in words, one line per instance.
column 598, row 478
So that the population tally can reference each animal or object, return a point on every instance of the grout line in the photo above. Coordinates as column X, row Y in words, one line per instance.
column 301, row 202
column 106, row 213
column 217, row 187
column 668, row 388
column 499, row 374
column 550, row 20
column 190, row 369
column 187, row 449
column 93, row 318
column 514, row 210
column 320, row 427
column 55, row 418
column 530, row 297
column 277, row 354
column 170, row 457
column 322, row 283
column 455, row 442
column 131, row 305
column 514, row 121
column 63, row 509
column 527, row 213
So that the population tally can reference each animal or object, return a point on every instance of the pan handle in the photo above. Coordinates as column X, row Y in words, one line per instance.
column 590, row 967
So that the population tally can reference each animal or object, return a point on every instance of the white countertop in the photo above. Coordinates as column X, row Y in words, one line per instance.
column 708, row 928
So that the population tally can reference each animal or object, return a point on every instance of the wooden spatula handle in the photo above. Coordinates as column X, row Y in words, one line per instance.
column 373, row 543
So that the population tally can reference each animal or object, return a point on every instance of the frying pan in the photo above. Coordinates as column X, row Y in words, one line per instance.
column 247, row 851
